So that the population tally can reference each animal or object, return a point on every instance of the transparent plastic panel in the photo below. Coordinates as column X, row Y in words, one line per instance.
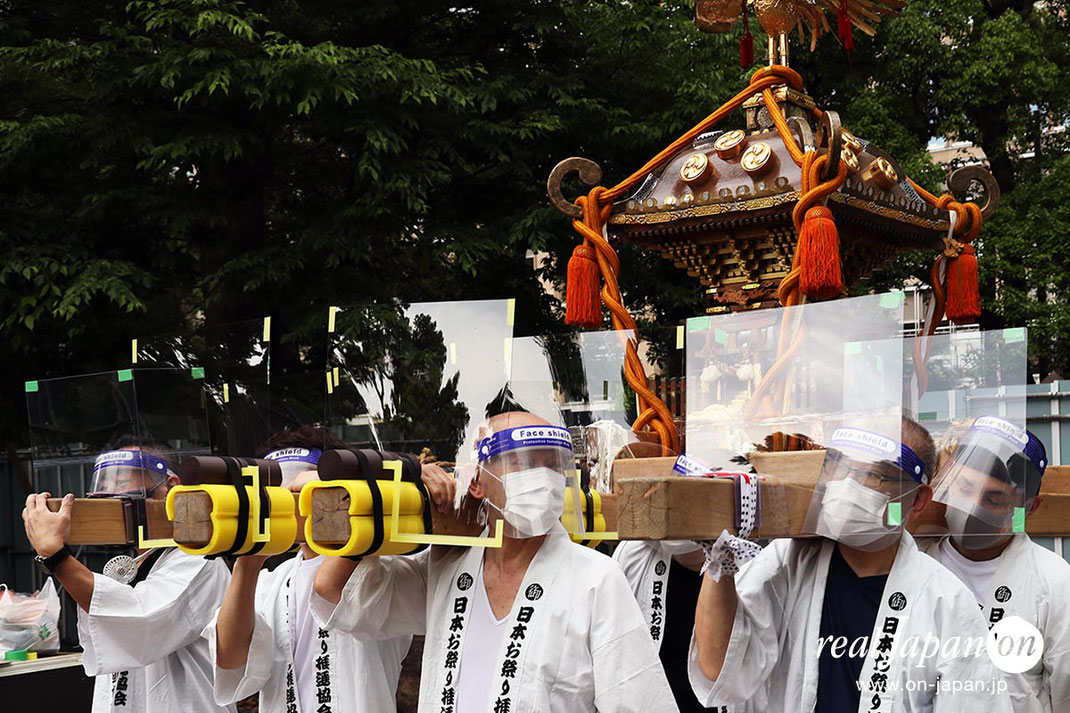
column 125, row 431
column 872, row 471
column 773, row 380
column 234, row 362
column 969, row 390
column 420, row 378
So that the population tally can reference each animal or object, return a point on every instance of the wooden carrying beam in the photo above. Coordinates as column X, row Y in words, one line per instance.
column 655, row 505
column 107, row 521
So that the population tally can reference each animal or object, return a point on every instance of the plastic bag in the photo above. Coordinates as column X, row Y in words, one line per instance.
column 29, row 622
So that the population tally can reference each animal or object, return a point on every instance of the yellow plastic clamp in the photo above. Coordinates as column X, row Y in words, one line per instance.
column 417, row 535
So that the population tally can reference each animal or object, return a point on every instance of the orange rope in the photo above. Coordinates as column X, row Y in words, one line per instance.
column 813, row 191
column 939, row 303
column 968, row 215
column 761, row 80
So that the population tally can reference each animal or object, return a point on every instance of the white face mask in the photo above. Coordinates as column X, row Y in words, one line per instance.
column 534, row 500
column 853, row 514
column 678, row 547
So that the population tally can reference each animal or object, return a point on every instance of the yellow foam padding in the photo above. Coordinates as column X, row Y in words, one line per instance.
column 595, row 495
column 361, row 523
column 598, row 532
column 281, row 527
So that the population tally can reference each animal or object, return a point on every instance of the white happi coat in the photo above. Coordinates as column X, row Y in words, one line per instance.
column 772, row 658
column 1033, row 583
column 352, row 676
column 143, row 643
column 576, row 641
column 646, row 567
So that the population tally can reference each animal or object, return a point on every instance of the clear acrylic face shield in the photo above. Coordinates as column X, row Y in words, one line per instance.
column 128, row 472
column 579, row 377
column 952, row 381
column 420, row 380
column 870, row 475
column 115, row 434
column 866, row 487
column 772, row 380
column 524, row 474
column 295, row 461
column 989, row 482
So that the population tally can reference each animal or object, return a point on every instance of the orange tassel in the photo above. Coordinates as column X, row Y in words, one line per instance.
column 819, row 255
column 963, row 290
column 583, row 304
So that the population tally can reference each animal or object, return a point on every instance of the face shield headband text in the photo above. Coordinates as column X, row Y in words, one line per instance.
column 132, row 459
column 1014, row 436
column 853, row 441
column 311, row 456
column 523, row 437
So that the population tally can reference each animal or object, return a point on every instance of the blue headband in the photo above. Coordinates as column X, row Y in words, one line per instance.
column 1034, row 451
column 292, row 455
column 857, row 439
column 132, row 459
column 910, row 463
column 513, row 439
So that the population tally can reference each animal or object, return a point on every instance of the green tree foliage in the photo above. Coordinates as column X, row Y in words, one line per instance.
column 992, row 73
column 174, row 162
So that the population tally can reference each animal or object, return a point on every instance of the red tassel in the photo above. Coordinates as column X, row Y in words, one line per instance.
column 583, row 303
column 963, row 290
column 746, row 43
column 844, row 27
column 819, row 255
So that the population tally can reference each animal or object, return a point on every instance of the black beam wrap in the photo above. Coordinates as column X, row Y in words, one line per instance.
column 205, row 470
column 427, row 513
column 588, row 515
column 366, row 471
column 234, row 471
column 132, row 517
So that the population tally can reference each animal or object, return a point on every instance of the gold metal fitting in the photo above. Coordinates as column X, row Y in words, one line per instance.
column 851, row 160
column 730, row 144
column 851, row 143
column 881, row 172
column 756, row 158
column 696, row 168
